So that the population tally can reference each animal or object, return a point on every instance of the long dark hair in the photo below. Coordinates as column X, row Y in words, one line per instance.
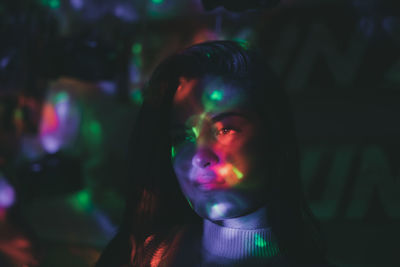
column 156, row 210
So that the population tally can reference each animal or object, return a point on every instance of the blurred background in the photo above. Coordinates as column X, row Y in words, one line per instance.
column 71, row 80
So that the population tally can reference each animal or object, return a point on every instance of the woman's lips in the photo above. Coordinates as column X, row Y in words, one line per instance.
column 208, row 182
column 209, row 186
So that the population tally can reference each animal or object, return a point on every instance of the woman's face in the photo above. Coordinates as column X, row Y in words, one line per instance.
column 218, row 148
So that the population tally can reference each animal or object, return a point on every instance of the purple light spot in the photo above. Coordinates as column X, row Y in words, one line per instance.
column 4, row 62
column 77, row 4
column 91, row 44
column 134, row 73
column 368, row 26
column 104, row 223
column 7, row 194
column 36, row 167
column 51, row 144
column 392, row 26
column 62, row 109
column 125, row 12
column 107, row 87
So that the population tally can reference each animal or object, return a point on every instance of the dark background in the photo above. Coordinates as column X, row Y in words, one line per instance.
column 71, row 79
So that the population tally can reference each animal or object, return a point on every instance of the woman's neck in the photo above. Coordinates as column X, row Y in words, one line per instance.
column 255, row 220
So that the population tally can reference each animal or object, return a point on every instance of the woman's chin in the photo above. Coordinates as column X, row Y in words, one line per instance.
column 217, row 211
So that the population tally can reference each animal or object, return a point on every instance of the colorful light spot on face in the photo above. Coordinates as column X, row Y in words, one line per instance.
column 238, row 173
column 224, row 170
column 218, row 210
column 230, row 174
column 136, row 48
column 195, row 131
column 216, row 95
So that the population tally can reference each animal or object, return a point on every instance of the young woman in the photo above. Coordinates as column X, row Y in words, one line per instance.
column 214, row 136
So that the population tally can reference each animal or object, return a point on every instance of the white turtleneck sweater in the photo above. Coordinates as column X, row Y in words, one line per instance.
column 220, row 246
column 223, row 246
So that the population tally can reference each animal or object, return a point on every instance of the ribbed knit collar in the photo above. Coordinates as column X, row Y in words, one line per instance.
column 238, row 244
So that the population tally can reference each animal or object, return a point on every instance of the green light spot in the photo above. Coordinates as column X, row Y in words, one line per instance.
column 137, row 61
column 136, row 48
column 157, row 1
column 243, row 43
column 136, row 96
column 216, row 95
column 238, row 173
column 92, row 132
column 190, row 203
column 51, row 3
column 208, row 55
column 217, row 209
column 54, row 3
column 195, row 131
column 81, row 201
column 95, row 128
column 61, row 97
column 260, row 242
column 18, row 115
column 83, row 198
column 173, row 152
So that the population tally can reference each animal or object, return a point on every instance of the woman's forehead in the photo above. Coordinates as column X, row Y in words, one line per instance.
column 208, row 95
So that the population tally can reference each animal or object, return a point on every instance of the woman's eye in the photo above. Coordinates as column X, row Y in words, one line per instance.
column 225, row 131
column 226, row 135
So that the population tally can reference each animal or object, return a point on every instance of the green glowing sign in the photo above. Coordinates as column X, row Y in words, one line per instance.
column 216, row 95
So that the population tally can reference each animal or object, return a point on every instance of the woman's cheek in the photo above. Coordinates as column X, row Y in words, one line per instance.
column 182, row 160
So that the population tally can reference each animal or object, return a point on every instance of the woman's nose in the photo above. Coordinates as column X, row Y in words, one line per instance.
column 204, row 158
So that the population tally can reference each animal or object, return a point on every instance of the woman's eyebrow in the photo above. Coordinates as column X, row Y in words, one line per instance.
column 223, row 115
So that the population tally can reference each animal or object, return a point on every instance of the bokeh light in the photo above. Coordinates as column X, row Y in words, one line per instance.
column 7, row 193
